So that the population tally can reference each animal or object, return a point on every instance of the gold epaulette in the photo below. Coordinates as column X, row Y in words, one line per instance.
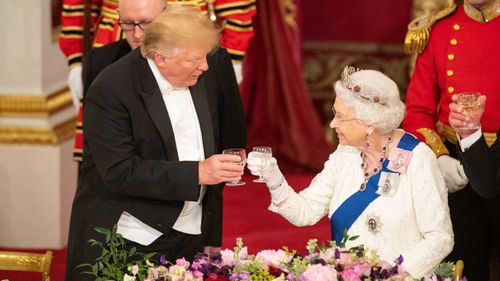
column 434, row 141
column 417, row 35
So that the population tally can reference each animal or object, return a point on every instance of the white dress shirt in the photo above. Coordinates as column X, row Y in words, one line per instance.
column 467, row 142
column 188, row 140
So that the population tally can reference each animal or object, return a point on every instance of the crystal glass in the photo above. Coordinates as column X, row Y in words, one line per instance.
column 242, row 154
column 263, row 155
column 472, row 107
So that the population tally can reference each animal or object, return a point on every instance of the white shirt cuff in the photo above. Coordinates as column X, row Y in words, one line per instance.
column 467, row 142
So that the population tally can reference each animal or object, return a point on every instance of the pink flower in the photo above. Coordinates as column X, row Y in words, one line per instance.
column 345, row 258
column 362, row 269
column 227, row 256
column 319, row 272
column 327, row 255
column 274, row 258
column 182, row 262
column 350, row 275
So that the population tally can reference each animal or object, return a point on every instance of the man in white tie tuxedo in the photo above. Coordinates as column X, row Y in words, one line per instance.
column 155, row 122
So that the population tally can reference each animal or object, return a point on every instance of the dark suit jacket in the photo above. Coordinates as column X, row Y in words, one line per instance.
column 130, row 156
column 482, row 166
column 100, row 58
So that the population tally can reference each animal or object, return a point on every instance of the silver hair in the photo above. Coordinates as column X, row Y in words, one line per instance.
column 385, row 115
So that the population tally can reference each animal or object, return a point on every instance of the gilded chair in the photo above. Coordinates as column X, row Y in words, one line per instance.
column 459, row 267
column 19, row 261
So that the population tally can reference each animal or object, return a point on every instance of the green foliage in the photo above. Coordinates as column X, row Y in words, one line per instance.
column 445, row 270
column 346, row 238
column 115, row 258
column 263, row 275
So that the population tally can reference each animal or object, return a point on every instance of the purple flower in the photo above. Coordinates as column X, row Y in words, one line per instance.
column 337, row 253
column 399, row 260
column 163, row 260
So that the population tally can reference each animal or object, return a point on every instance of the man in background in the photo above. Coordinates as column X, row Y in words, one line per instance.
column 460, row 57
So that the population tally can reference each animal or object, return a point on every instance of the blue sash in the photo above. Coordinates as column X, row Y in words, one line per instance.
column 349, row 211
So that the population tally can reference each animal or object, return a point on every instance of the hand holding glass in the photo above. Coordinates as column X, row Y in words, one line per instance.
column 242, row 154
column 472, row 107
column 263, row 155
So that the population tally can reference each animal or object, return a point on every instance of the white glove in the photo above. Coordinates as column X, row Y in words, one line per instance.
column 271, row 172
column 75, row 83
column 453, row 173
column 238, row 71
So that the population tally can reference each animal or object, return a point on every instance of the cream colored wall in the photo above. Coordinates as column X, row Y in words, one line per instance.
column 37, row 181
column 29, row 61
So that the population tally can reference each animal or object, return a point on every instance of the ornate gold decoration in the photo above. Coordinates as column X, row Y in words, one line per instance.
column 425, row 7
column 434, row 141
column 487, row 14
column 419, row 29
column 38, row 136
column 325, row 61
column 290, row 12
column 34, row 106
column 31, row 262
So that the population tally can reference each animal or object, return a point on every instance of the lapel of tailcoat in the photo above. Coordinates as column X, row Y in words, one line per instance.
column 157, row 110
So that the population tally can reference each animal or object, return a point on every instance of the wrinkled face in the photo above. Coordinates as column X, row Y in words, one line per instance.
column 350, row 130
column 479, row 4
column 135, row 16
column 184, row 68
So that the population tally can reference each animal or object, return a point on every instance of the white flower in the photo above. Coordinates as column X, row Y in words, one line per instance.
column 127, row 277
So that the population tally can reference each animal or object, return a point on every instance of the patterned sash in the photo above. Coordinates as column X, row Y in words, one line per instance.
column 349, row 211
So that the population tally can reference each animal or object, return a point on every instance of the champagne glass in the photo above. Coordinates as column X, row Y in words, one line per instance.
column 472, row 107
column 242, row 154
column 263, row 155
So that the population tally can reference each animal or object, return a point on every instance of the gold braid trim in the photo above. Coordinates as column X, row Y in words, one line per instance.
column 434, row 141
column 419, row 29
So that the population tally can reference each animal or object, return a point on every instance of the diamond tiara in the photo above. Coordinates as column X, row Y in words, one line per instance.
column 359, row 91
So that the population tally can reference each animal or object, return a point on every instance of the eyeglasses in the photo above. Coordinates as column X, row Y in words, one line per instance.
column 130, row 26
column 340, row 119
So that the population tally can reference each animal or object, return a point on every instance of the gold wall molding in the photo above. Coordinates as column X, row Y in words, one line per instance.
column 38, row 136
column 29, row 106
column 324, row 61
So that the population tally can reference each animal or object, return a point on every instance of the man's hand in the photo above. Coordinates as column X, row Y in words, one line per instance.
column 220, row 168
column 75, row 83
column 453, row 173
column 458, row 120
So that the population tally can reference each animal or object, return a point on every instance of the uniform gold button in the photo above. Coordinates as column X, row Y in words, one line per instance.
column 451, row 90
column 451, row 57
column 449, row 72
column 456, row 26
column 453, row 41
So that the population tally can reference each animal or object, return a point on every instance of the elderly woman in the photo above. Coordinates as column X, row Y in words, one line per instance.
column 381, row 183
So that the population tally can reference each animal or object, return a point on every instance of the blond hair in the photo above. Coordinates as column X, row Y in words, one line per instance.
column 178, row 28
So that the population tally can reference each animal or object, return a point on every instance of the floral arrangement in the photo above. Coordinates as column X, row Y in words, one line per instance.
column 329, row 262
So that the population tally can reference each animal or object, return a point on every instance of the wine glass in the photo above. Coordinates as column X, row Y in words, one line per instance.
column 472, row 107
column 242, row 154
column 263, row 155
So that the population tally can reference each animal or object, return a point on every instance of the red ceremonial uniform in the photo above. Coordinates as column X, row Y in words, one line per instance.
column 461, row 56
column 235, row 17
column 104, row 26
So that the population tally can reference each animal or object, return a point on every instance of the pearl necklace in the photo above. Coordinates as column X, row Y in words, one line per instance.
column 381, row 160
